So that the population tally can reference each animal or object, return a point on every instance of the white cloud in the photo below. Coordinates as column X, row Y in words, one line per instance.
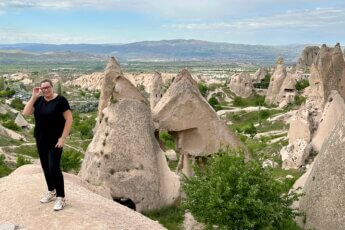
column 303, row 19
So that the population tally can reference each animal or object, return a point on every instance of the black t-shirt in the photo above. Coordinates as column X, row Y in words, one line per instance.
column 49, row 119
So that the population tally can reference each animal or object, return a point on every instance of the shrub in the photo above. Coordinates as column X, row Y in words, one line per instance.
column 251, row 130
column 238, row 101
column 21, row 161
column 203, row 89
column 71, row 160
column 11, row 125
column 302, row 84
column 4, row 168
column 299, row 100
column 259, row 100
column 167, row 139
column 17, row 104
column 264, row 83
column 234, row 194
column 214, row 103
column 264, row 114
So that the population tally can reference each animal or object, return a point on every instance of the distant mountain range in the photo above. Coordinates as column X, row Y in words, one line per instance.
column 165, row 50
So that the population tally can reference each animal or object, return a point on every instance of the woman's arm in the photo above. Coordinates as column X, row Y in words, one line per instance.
column 67, row 128
column 29, row 107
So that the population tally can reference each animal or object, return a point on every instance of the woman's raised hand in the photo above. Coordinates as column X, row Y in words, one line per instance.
column 36, row 91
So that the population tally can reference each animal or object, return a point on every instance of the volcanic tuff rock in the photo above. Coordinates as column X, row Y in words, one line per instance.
column 295, row 154
column 241, row 84
column 334, row 109
column 90, row 82
column 185, row 113
column 124, row 155
column 300, row 126
column 308, row 57
column 259, row 75
column 21, row 191
column 155, row 89
column 276, row 82
column 324, row 199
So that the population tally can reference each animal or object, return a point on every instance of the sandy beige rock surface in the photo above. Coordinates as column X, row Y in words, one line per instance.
column 21, row 191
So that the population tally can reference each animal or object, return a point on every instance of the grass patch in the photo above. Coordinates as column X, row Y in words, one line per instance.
column 22, row 161
column 71, row 161
column 170, row 217
column 167, row 139
column 4, row 168
column 5, row 141
column 27, row 150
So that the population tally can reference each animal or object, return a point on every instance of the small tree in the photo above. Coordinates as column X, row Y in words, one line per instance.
column 231, row 193
column 17, row 104
column 214, row 103
column 203, row 89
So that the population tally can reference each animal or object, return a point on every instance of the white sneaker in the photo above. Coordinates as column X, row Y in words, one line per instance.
column 49, row 196
column 59, row 204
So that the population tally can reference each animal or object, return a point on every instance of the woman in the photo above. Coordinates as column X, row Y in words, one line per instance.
column 53, row 121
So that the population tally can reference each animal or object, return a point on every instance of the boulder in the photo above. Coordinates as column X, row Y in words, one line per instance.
column 276, row 82
column 124, row 155
column 241, row 85
column 185, row 113
column 21, row 191
column 189, row 223
column 324, row 199
column 20, row 121
column 171, row 155
column 295, row 154
column 334, row 108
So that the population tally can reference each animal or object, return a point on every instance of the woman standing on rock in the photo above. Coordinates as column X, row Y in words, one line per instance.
column 53, row 121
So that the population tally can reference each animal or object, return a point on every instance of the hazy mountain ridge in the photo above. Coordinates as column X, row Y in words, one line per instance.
column 169, row 50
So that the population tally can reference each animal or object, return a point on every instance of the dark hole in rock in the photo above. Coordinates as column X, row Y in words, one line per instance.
column 106, row 156
column 112, row 171
column 330, row 99
column 125, row 202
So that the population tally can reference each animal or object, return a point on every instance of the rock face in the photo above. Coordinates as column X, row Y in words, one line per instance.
column 84, row 210
column 185, row 113
column 295, row 154
column 276, row 82
column 20, row 121
column 259, row 75
column 155, row 89
column 90, row 82
column 241, row 84
column 329, row 72
column 308, row 57
column 334, row 108
column 124, row 155
column 324, row 190
column 287, row 91
column 300, row 126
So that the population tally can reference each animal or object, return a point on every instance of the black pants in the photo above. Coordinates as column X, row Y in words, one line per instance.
column 50, row 160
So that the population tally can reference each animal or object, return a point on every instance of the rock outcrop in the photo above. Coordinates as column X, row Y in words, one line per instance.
column 295, row 154
column 259, row 75
column 241, row 84
column 334, row 109
column 20, row 121
column 276, row 82
column 155, row 89
column 90, row 82
column 20, row 193
column 287, row 91
column 124, row 156
column 323, row 202
column 185, row 113
column 308, row 57
column 300, row 126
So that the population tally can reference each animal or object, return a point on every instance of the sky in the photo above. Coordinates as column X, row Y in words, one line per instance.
column 266, row 22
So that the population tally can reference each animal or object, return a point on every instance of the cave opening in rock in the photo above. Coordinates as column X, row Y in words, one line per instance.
column 125, row 202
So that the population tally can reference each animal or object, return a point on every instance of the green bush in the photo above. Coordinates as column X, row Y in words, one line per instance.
column 21, row 161
column 264, row 83
column 251, row 130
column 231, row 193
column 4, row 168
column 299, row 100
column 302, row 84
column 264, row 114
column 203, row 89
column 7, row 93
column 71, row 160
column 167, row 139
column 170, row 217
column 11, row 125
column 238, row 101
column 17, row 104
column 214, row 103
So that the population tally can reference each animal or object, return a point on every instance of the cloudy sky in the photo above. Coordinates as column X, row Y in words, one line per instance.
column 272, row 22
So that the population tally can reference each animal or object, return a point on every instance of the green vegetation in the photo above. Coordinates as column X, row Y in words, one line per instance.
column 214, row 103
column 256, row 100
column 234, row 194
column 4, row 168
column 22, row 161
column 27, row 150
column 203, row 89
column 5, row 141
column 299, row 100
column 167, row 140
column 170, row 217
column 264, row 83
column 11, row 125
column 302, row 84
column 71, row 160
column 83, row 125
column 17, row 104
column 7, row 93
column 251, row 130
column 2, row 83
